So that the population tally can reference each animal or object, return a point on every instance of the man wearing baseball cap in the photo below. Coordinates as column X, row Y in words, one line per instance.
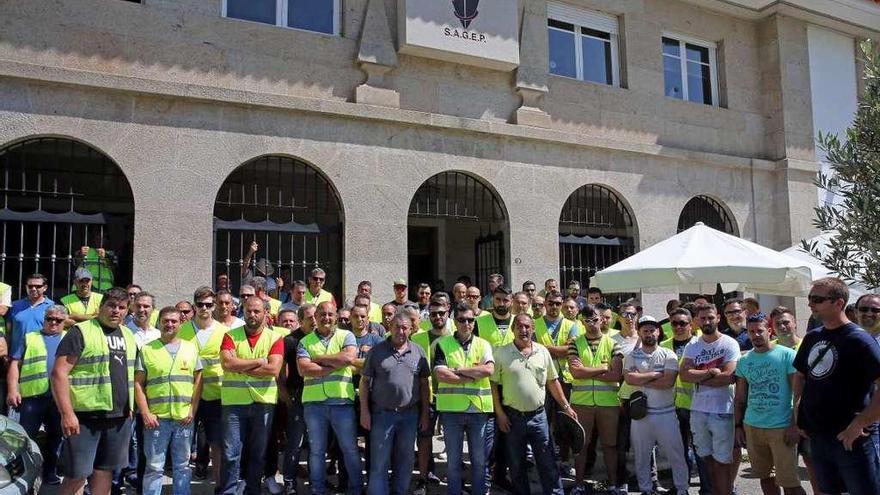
column 400, row 295
column 82, row 304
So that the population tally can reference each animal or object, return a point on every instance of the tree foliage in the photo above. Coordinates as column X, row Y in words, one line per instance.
column 854, row 178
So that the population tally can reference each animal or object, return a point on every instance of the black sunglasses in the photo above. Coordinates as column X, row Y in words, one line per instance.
column 866, row 309
column 818, row 299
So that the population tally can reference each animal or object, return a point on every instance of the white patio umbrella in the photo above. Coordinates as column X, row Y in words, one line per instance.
column 819, row 270
column 696, row 260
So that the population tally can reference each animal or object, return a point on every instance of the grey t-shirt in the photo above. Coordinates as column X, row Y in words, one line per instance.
column 662, row 359
column 395, row 377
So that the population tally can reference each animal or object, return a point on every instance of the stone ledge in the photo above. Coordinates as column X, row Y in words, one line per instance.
column 347, row 110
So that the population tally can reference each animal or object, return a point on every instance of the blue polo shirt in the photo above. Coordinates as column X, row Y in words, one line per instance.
column 26, row 318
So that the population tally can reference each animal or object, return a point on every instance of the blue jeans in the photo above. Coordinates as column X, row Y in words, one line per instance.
column 392, row 435
column 320, row 419
column 531, row 430
column 296, row 430
column 156, row 442
column 837, row 470
column 245, row 426
column 454, row 427
column 36, row 411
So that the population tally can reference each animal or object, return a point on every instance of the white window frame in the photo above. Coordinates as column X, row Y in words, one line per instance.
column 684, row 40
column 281, row 11
column 590, row 19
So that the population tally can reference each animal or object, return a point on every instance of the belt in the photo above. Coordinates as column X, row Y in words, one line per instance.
column 513, row 412
column 400, row 409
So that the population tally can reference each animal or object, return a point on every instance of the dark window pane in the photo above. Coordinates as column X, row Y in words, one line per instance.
column 598, row 34
column 699, row 83
column 312, row 15
column 562, row 54
column 565, row 26
column 697, row 53
column 252, row 10
column 671, row 47
column 672, row 77
column 597, row 61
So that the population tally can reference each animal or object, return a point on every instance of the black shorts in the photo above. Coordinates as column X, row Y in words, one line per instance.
column 210, row 414
column 102, row 444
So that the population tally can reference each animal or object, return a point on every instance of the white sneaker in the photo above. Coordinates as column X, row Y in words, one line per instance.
column 272, row 485
column 239, row 488
column 623, row 489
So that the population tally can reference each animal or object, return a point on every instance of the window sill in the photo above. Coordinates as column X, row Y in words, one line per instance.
column 581, row 81
column 300, row 30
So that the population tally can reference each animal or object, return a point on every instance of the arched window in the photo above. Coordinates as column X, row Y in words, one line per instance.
column 292, row 213
column 458, row 227
column 710, row 212
column 596, row 230
column 64, row 205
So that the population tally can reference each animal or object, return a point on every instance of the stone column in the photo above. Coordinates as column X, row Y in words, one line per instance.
column 376, row 57
column 531, row 76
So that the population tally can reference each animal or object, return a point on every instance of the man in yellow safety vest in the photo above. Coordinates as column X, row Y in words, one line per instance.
column 168, row 385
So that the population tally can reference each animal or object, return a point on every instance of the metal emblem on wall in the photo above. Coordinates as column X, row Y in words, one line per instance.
column 466, row 11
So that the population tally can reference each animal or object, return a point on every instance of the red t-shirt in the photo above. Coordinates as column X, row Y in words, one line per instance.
column 277, row 347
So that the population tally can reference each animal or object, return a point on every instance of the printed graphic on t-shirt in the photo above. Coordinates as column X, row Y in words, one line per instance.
column 116, row 343
column 825, row 366
column 709, row 358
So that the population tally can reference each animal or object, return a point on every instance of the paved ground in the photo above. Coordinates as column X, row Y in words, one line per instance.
column 746, row 483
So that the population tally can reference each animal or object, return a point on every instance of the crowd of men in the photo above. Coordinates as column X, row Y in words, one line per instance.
column 241, row 383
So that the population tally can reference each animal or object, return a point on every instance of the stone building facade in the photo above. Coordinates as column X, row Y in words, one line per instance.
column 180, row 96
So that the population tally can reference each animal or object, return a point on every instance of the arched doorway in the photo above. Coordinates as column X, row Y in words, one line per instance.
column 64, row 205
column 290, row 210
column 709, row 211
column 596, row 230
column 458, row 227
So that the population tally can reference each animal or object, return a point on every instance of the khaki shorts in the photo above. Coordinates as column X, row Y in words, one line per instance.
column 767, row 449
column 602, row 418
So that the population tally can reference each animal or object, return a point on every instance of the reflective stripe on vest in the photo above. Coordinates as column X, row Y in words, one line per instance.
column 336, row 385
column 684, row 392
column 489, row 330
column 33, row 379
column 212, row 371
column 90, row 387
column 460, row 397
column 169, row 381
column 589, row 392
column 543, row 337
column 241, row 389
column 75, row 306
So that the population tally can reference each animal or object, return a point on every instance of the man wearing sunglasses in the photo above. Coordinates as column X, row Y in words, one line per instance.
column 868, row 313
column 83, row 304
column 735, row 316
column 28, row 382
column 207, row 334
column 316, row 293
column 838, row 367
column 26, row 314
column 680, row 321
column 463, row 364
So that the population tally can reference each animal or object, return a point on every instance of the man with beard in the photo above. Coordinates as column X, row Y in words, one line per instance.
column 680, row 323
column 93, row 385
column 710, row 364
column 652, row 370
column 438, row 313
column 394, row 404
column 838, row 367
column 251, row 357
column 423, row 294
column 524, row 373
column 494, row 327
column 868, row 313
column 764, row 420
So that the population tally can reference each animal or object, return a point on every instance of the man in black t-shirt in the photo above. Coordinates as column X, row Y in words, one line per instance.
column 838, row 366
column 290, row 392
column 95, row 419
